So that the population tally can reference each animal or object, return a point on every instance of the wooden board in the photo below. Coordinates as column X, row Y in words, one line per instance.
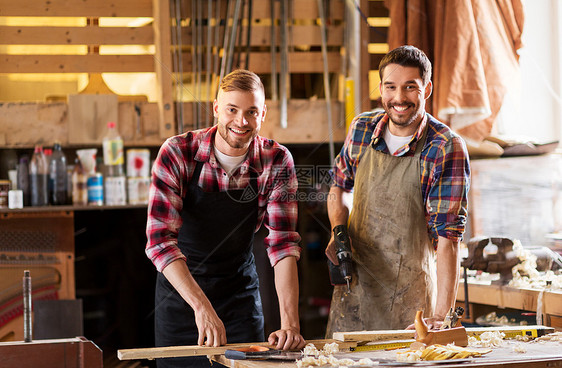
column 77, row 8
column 88, row 115
column 92, row 63
column 307, row 123
column 386, row 335
column 76, row 35
column 194, row 350
column 509, row 297
column 537, row 355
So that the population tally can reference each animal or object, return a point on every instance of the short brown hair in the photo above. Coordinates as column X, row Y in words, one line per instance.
column 241, row 80
column 408, row 56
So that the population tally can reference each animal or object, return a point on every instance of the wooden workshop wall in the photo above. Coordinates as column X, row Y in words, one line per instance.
column 141, row 123
column 189, row 50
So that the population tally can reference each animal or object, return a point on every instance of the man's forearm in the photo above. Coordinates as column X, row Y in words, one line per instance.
column 181, row 279
column 287, row 286
column 338, row 213
column 448, row 271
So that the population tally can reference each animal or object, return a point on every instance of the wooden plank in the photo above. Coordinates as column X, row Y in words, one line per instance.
column 195, row 350
column 163, row 67
column 508, row 297
column 10, row 35
column 92, row 63
column 261, row 35
column 260, row 63
column 387, row 335
column 88, row 115
column 303, row 9
column 49, row 122
column 299, row 62
column 76, row 8
column 381, row 335
column 537, row 356
column 306, row 122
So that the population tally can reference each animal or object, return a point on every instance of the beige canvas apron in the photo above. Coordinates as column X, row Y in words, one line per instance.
column 394, row 261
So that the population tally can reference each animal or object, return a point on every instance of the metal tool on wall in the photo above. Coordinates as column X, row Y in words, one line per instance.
column 248, row 35
column 27, row 326
column 273, row 51
column 225, row 42
column 235, row 30
column 208, row 63
column 199, row 59
column 327, row 92
column 219, row 23
column 284, row 77
column 175, row 11
column 238, row 36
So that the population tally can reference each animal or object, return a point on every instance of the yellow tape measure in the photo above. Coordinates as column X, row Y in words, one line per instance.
column 513, row 334
column 383, row 346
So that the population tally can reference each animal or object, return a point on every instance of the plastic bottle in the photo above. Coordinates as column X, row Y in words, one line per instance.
column 38, row 172
column 57, row 176
column 79, row 185
column 113, row 151
column 48, row 153
column 23, row 179
column 115, row 181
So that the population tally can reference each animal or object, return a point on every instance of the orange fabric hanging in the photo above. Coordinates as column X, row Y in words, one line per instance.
column 473, row 47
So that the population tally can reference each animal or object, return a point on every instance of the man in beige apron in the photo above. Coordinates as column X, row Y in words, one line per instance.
column 418, row 175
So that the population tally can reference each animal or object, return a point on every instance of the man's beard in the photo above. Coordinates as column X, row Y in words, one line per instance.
column 403, row 120
column 233, row 142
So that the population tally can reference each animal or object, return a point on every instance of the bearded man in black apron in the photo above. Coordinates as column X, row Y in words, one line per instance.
column 410, row 176
column 211, row 191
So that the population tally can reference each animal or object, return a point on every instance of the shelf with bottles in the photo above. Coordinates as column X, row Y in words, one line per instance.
column 63, row 169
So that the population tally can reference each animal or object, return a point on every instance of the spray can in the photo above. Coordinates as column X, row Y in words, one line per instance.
column 95, row 189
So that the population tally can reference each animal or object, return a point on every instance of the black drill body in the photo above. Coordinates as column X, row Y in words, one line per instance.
column 343, row 253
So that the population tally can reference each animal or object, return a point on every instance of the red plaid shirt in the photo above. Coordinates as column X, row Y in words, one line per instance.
column 173, row 169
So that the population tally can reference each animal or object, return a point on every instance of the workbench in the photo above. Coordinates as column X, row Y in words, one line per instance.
column 538, row 354
column 503, row 296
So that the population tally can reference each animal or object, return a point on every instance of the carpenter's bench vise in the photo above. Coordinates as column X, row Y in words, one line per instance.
column 492, row 255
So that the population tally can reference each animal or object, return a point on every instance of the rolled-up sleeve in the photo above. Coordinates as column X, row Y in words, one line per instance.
column 281, row 214
column 164, row 208
column 447, row 199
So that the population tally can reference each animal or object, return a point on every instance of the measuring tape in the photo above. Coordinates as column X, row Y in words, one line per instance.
column 533, row 333
column 384, row 346
column 512, row 334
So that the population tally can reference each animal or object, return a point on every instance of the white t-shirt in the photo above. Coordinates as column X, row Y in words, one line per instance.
column 228, row 163
column 394, row 142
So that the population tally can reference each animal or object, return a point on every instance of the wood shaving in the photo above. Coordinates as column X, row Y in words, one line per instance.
column 331, row 348
column 310, row 350
column 488, row 339
column 450, row 351
column 317, row 358
column 518, row 348
column 555, row 336
column 331, row 361
column 409, row 356
column 525, row 274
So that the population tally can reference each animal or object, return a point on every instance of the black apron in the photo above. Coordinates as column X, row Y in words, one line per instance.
column 217, row 237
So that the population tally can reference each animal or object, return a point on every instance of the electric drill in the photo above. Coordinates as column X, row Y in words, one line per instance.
column 343, row 253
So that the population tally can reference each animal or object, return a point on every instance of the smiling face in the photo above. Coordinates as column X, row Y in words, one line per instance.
column 239, row 115
column 403, row 95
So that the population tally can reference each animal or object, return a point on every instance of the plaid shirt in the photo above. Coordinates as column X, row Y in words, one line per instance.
column 445, row 170
column 173, row 169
